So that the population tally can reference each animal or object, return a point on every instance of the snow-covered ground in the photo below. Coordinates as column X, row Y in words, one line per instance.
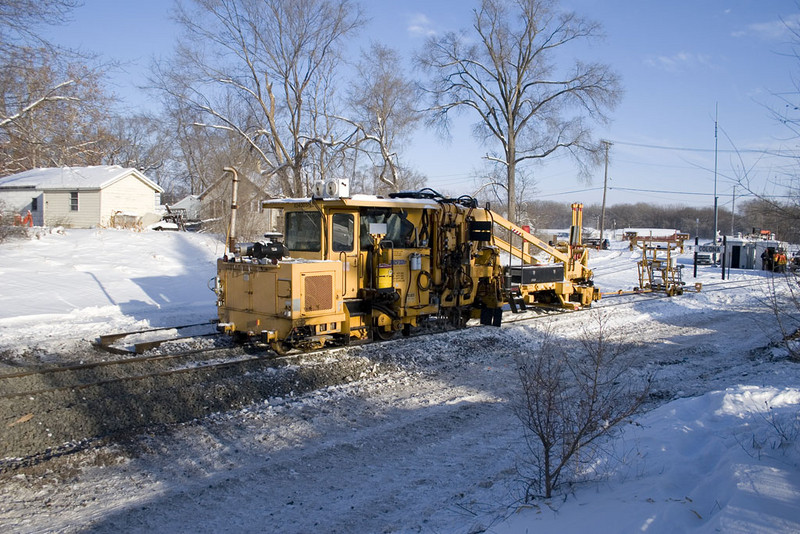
column 431, row 447
column 66, row 287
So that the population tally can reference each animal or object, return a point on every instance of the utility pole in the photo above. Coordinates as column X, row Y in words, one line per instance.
column 605, row 187
column 733, row 210
column 716, row 199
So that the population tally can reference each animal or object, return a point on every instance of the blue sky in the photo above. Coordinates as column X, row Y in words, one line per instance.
column 679, row 61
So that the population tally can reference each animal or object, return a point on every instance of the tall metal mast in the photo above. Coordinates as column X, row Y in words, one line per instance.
column 605, row 187
column 716, row 199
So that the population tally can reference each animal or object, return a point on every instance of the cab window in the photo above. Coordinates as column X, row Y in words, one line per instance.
column 343, row 229
column 399, row 230
column 304, row 231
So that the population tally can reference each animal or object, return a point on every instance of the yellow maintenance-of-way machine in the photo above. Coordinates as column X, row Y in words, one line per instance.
column 349, row 269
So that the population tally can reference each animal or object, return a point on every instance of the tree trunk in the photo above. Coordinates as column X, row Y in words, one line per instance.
column 511, row 170
column 548, row 478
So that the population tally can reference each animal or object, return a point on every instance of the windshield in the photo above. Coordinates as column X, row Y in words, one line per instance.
column 399, row 229
column 303, row 231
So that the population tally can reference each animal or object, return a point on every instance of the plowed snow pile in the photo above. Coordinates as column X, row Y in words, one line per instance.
column 431, row 444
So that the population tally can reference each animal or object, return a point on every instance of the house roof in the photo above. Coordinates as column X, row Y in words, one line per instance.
column 187, row 202
column 95, row 177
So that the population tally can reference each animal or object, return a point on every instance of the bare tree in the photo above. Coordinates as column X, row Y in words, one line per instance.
column 406, row 179
column 52, row 111
column 504, row 71
column 781, row 212
column 195, row 148
column 573, row 395
column 19, row 20
column 781, row 218
column 331, row 151
column 783, row 299
column 138, row 141
column 384, row 100
column 52, row 101
column 254, row 68
column 494, row 188
column 195, row 156
column 786, row 112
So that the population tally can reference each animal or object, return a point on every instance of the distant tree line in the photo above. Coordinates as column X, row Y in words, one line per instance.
column 752, row 214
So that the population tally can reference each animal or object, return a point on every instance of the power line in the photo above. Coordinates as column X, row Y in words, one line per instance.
column 689, row 149
column 570, row 192
column 662, row 191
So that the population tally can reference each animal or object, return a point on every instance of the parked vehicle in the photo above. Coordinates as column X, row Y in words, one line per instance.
column 703, row 258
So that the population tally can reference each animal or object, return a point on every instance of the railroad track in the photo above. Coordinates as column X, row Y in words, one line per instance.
column 53, row 411
column 82, row 376
column 86, row 375
column 611, row 300
column 203, row 359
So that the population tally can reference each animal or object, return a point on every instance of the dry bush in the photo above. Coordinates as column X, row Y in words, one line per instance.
column 572, row 394
column 773, row 432
column 783, row 299
column 7, row 228
column 12, row 232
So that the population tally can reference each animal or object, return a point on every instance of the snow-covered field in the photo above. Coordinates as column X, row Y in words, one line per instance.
column 62, row 288
column 431, row 447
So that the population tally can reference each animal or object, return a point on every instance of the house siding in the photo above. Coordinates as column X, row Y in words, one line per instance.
column 128, row 195
column 58, row 212
column 19, row 201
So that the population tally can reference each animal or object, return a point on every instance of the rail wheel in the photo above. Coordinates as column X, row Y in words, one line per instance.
column 406, row 329
column 457, row 318
column 382, row 334
column 280, row 347
column 383, row 331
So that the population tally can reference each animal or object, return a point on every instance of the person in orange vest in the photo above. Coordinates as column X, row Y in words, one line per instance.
column 780, row 261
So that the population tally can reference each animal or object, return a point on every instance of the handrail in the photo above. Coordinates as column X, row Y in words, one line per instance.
column 556, row 254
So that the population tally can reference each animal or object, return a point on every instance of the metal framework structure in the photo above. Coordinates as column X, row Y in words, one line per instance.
column 658, row 270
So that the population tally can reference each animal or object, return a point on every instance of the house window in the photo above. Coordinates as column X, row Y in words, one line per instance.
column 73, row 201
column 35, row 204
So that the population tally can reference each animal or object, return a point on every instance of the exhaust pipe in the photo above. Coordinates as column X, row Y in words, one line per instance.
column 234, row 205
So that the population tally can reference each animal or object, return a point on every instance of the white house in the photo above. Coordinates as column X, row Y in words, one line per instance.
column 80, row 197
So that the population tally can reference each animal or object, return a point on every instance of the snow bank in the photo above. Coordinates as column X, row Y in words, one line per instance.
column 64, row 287
column 715, row 463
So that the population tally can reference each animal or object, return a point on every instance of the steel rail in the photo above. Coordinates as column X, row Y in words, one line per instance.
column 539, row 313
